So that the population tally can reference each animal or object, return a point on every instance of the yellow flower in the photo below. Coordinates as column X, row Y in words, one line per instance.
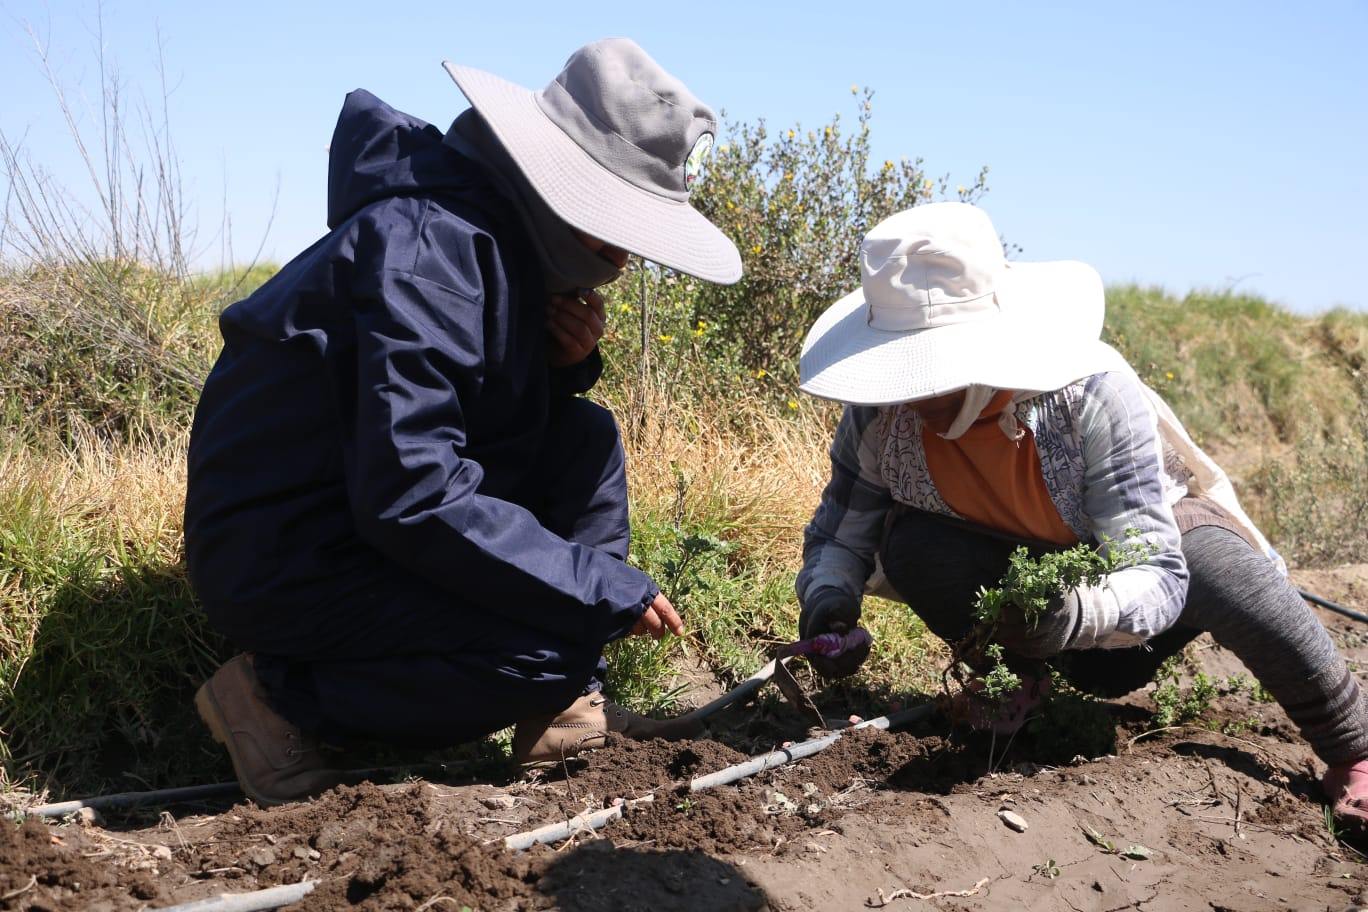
column 666, row 338
column 698, row 333
column 888, row 165
column 788, row 175
column 755, row 249
column 1168, row 375
column 731, row 205
column 827, row 130
column 760, row 374
column 702, row 324
column 793, row 405
column 624, row 308
column 790, row 134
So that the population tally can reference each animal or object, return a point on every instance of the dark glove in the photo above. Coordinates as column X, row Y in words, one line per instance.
column 829, row 610
column 1051, row 634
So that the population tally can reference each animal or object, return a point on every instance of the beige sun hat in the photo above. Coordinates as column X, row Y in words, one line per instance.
column 613, row 145
column 940, row 308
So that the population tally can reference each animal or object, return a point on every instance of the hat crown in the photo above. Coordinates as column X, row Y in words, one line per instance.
column 931, row 265
column 629, row 115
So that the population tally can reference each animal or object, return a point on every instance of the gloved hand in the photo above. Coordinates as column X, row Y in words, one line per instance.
column 1051, row 634
column 829, row 610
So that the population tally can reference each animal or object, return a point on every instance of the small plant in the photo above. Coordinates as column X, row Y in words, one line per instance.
column 1046, row 869
column 1000, row 682
column 1032, row 585
column 1176, row 704
column 1135, row 852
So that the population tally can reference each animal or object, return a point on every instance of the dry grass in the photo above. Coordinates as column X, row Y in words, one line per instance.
column 101, row 641
column 742, row 460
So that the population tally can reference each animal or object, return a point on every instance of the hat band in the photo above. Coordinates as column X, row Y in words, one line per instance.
column 906, row 316
column 605, row 146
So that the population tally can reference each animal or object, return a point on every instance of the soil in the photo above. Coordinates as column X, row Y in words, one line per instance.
column 1225, row 815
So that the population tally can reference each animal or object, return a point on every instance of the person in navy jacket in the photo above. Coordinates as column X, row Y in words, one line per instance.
column 398, row 505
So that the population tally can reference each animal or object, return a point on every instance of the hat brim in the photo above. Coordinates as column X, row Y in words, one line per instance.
column 1043, row 337
column 589, row 196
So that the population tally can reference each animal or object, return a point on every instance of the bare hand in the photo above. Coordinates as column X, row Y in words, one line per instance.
column 575, row 322
column 658, row 618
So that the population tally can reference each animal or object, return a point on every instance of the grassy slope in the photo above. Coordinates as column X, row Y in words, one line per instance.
column 100, row 645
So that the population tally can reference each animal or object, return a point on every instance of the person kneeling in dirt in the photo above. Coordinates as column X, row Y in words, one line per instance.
column 397, row 504
column 983, row 412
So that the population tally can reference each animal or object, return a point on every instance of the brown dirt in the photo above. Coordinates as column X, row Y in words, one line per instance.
column 42, row 870
column 630, row 769
column 1229, row 820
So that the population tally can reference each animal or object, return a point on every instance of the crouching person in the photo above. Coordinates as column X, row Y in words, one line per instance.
column 397, row 505
column 983, row 413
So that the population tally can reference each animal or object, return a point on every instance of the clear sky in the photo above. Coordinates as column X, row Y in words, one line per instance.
column 1183, row 144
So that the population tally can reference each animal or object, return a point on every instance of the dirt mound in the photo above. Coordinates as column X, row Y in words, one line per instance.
column 629, row 769
column 383, row 848
column 40, row 869
column 868, row 753
column 396, row 848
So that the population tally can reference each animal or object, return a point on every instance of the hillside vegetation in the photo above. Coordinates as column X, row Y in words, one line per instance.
column 102, row 353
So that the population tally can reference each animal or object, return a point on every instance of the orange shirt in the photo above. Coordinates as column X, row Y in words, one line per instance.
column 993, row 481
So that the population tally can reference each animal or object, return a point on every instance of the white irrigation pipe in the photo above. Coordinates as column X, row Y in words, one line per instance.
column 256, row 901
column 275, row 897
column 599, row 819
column 555, row 832
column 802, row 749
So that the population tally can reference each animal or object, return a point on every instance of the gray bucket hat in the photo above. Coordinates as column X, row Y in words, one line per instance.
column 613, row 145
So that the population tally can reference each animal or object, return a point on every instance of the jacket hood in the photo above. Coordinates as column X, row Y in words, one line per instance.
column 378, row 152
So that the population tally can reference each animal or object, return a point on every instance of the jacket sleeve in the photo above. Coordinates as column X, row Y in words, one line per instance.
column 417, row 500
column 575, row 379
column 1124, row 490
column 841, row 542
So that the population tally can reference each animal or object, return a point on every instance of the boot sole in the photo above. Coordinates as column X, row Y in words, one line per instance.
column 212, row 715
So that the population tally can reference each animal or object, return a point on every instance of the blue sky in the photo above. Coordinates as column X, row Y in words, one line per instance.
column 1177, row 144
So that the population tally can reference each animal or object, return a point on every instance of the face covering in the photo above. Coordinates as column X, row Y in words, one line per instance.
column 567, row 265
column 976, row 399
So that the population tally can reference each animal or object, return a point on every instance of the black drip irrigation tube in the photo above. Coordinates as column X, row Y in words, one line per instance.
column 275, row 897
column 1338, row 609
column 125, row 800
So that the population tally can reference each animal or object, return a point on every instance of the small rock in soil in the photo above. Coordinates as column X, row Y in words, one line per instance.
column 1013, row 820
column 88, row 817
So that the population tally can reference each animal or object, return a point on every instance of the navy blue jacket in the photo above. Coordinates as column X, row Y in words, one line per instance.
column 379, row 405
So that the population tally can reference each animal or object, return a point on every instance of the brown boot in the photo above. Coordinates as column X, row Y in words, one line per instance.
column 275, row 762
column 584, row 725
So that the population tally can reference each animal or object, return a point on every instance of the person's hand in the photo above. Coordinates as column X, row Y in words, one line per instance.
column 829, row 610
column 659, row 618
column 1049, row 635
column 575, row 323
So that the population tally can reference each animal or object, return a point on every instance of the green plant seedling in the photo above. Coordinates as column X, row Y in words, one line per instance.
column 1046, row 869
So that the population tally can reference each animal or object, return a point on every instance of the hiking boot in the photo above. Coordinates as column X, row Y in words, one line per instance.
column 1346, row 785
column 584, row 725
column 275, row 762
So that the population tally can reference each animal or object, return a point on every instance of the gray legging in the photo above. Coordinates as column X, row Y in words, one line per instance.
column 1234, row 592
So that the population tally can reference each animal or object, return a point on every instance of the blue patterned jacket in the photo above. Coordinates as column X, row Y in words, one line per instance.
column 1104, row 463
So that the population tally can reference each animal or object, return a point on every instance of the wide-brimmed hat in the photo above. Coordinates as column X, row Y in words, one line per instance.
column 613, row 145
column 940, row 308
